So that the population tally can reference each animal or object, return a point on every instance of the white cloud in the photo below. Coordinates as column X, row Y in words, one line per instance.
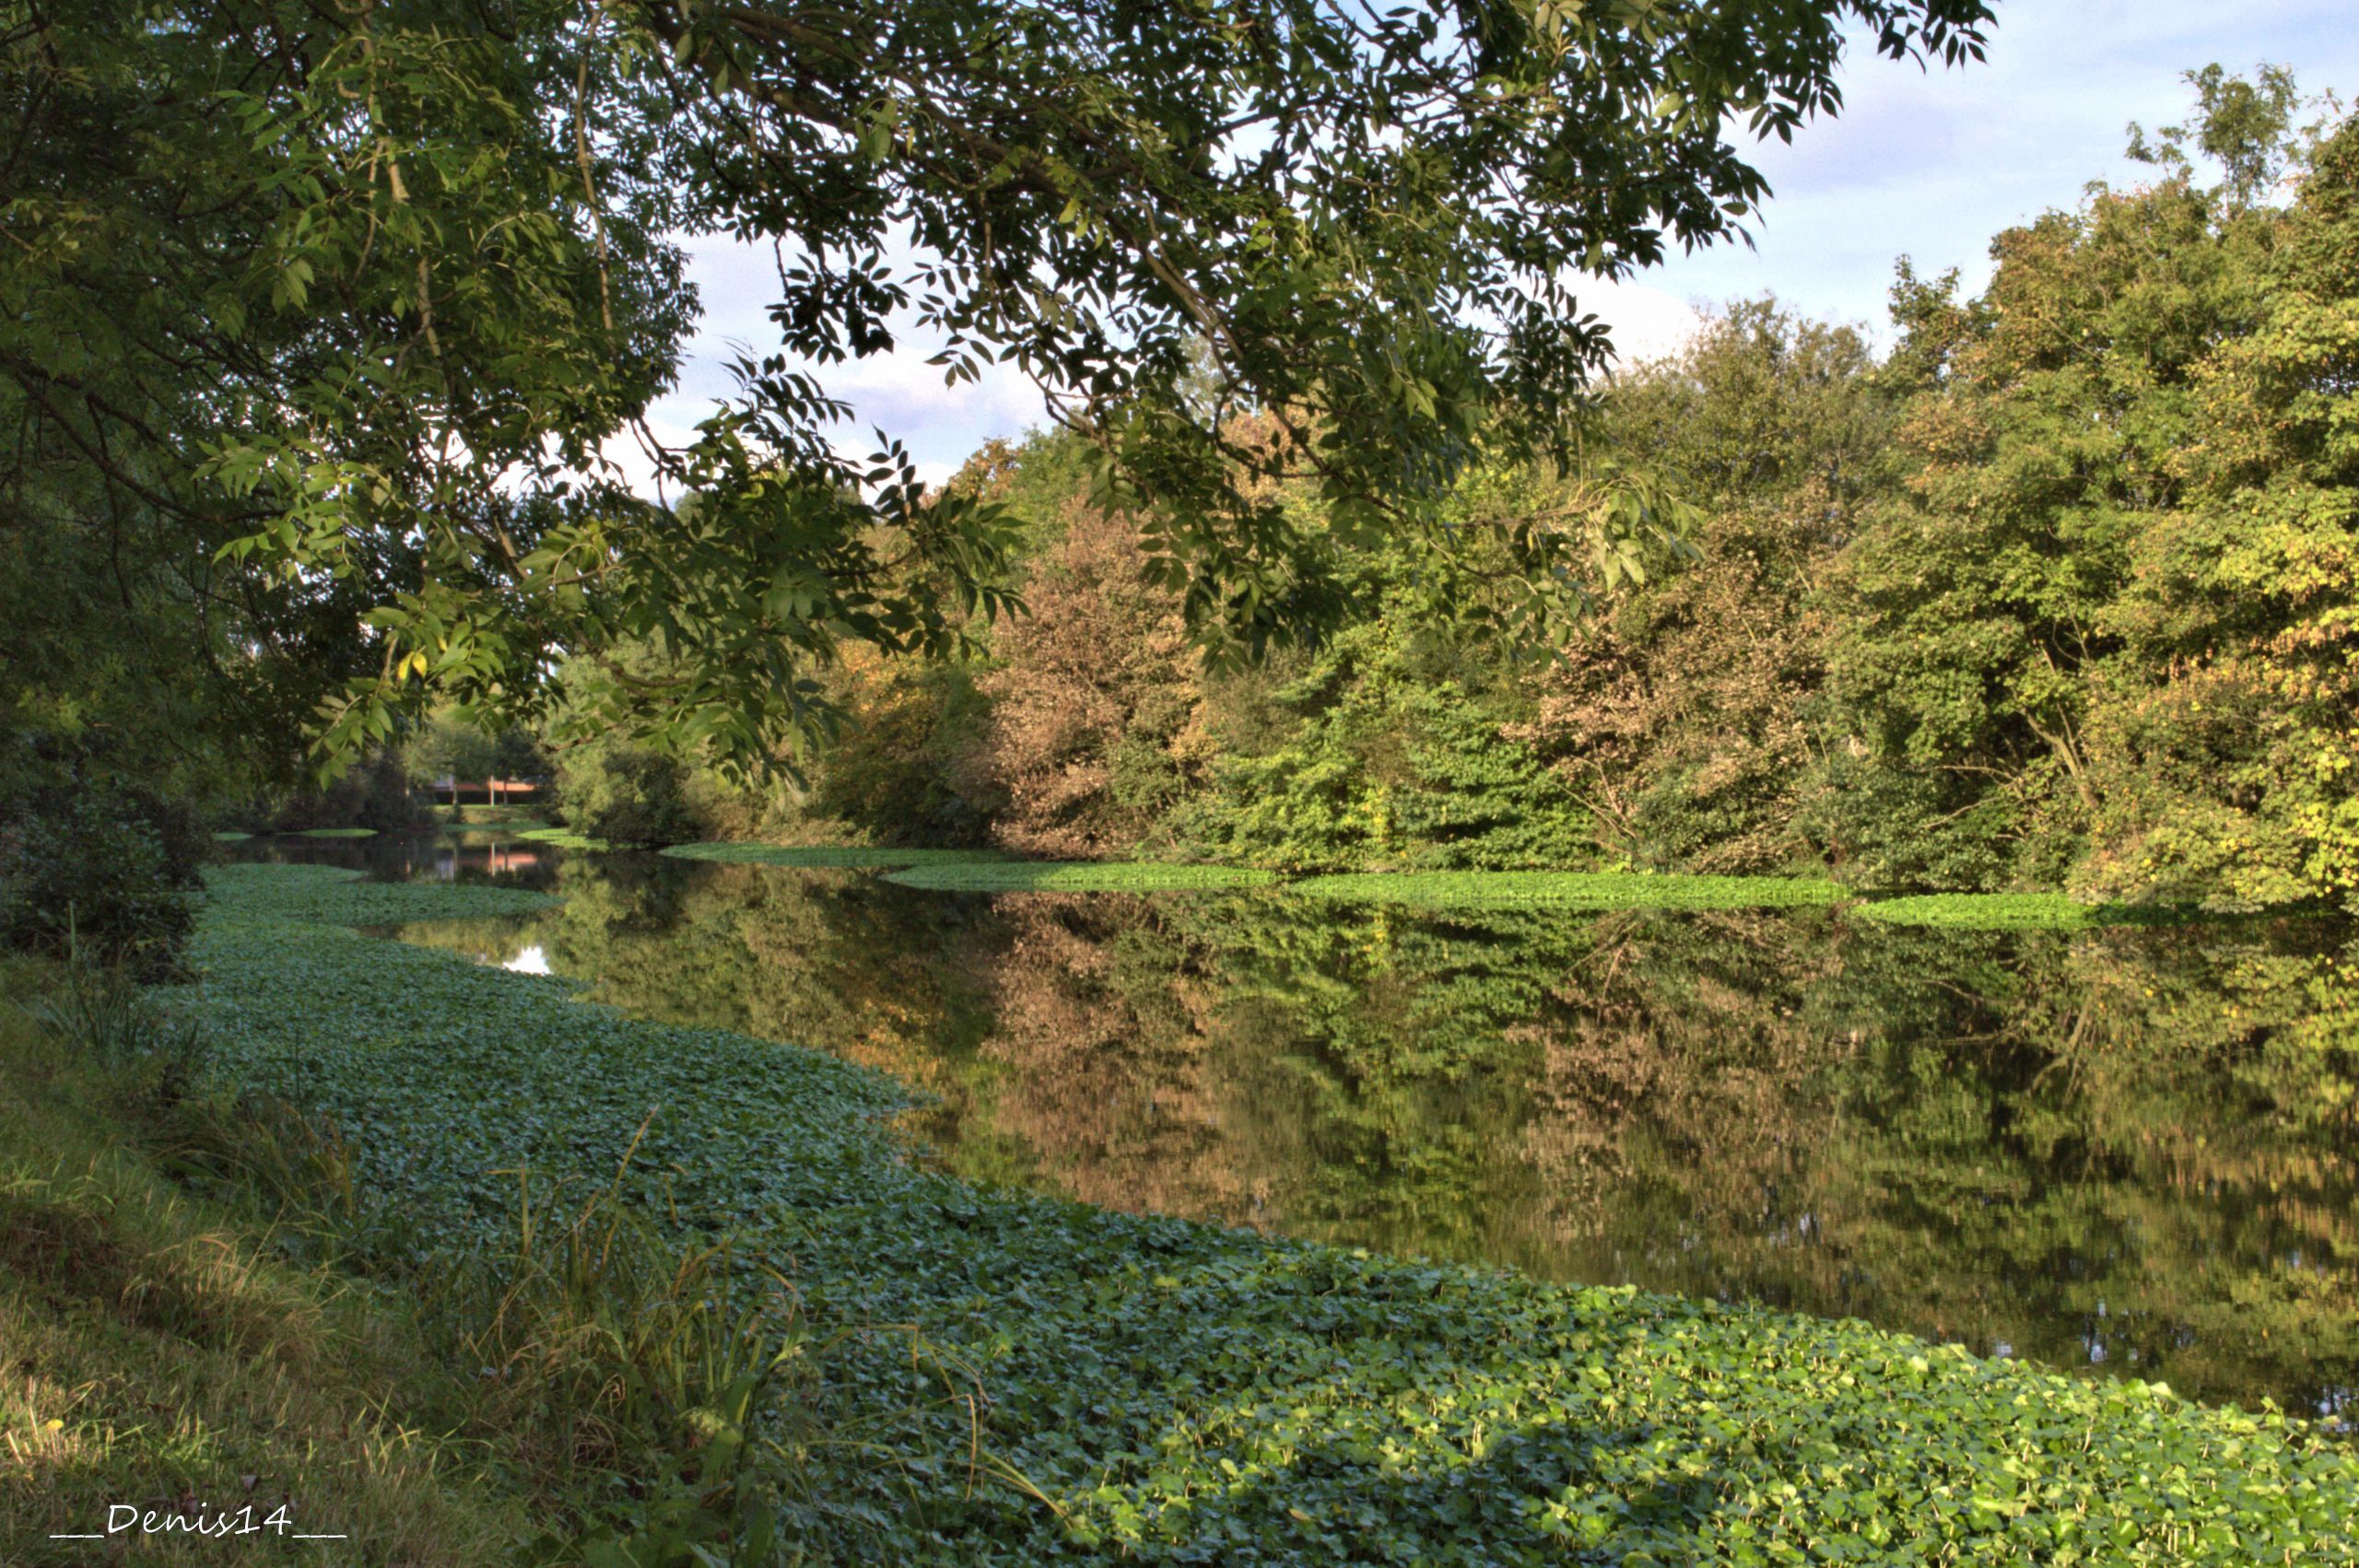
column 1647, row 322
column 1932, row 164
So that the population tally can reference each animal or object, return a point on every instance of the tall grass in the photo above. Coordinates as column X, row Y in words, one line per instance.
column 651, row 1396
column 159, row 1350
column 98, row 1011
column 657, row 1384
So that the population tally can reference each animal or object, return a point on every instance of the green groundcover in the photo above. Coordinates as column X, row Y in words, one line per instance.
column 1088, row 1385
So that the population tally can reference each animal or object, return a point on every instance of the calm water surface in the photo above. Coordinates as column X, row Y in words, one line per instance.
column 2125, row 1152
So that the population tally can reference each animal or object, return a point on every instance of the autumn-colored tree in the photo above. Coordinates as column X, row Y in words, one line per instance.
column 1679, row 716
column 1097, row 705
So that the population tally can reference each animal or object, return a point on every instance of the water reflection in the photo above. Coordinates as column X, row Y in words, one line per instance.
column 2128, row 1151
column 414, row 857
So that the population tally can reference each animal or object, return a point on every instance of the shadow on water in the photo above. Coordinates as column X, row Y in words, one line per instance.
column 2126, row 1152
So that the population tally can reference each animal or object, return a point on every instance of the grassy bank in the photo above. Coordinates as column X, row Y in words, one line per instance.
column 163, row 1349
column 1111, row 1383
column 217, row 1326
column 509, row 815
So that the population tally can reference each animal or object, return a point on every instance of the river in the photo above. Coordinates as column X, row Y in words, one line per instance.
column 2126, row 1152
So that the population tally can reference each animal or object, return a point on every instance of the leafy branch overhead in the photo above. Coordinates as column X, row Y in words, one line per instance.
column 352, row 307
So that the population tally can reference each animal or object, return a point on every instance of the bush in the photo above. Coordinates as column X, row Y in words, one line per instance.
column 628, row 794
column 373, row 793
column 110, row 873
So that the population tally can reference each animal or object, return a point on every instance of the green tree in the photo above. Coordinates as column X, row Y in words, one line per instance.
column 1681, row 715
column 446, row 746
column 2228, row 747
column 2101, row 634
column 336, row 308
column 2244, row 124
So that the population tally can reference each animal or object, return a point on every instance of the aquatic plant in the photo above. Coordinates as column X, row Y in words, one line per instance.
column 1077, row 876
column 1173, row 1390
column 1571, row 890
column 566, row 839
column 2017, row 911
column 335, row 893
column 845, row 856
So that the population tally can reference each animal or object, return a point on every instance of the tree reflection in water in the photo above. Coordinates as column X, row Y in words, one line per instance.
column 2130, row 1149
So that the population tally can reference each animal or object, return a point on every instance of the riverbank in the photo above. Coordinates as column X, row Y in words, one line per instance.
column 1091, row 1382
column 166, row 1354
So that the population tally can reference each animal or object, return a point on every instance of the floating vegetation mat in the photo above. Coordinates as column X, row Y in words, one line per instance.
column 522, row 824
column 565, row 839
column 1244, row 1397
column 831, row 857
column 230, row 835
column 2019, row 911
column 336, row 832
column 1076, row 876
column 1571, row 890
column 335, row 896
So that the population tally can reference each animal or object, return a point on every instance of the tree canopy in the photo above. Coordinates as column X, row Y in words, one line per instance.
column 316, row 321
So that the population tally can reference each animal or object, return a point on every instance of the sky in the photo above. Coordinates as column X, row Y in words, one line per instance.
column 1929, row 164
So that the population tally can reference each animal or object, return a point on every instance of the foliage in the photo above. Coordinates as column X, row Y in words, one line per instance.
column 1452, row 1414
column 900, row 769
column 1390, row 747
column 1574, row 890
column 165, row 1348
column 101, row 1014
column 626, row 794
column 1681, row 719
column 1077, row 876
column 505, row 814
column 1095, row 722
column 372, row 794
column 562, row 837
column 638, row 1368
column 101, row 870
column 312, row 893
column 2101, row 634
column 519, row 825
column 2225, row 749
column 2244, row 125
column 447, row 744
column 360, row 405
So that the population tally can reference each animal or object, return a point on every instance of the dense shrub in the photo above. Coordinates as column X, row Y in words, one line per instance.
column 108, row 869
column 1681, row 718
column 627, row 794
column 1096, row 717
column 374, row 793
column 903, row 770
